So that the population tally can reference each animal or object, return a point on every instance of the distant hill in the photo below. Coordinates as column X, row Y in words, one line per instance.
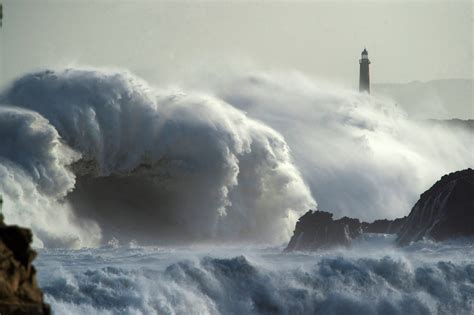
column 438, row 99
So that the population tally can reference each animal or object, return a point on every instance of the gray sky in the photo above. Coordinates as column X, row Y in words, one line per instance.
column 406, row 40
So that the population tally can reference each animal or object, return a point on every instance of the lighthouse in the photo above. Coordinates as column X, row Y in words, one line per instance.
column 364, row 78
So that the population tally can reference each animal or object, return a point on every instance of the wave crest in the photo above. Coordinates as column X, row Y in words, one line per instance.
column 336, row 285
column 158, row 164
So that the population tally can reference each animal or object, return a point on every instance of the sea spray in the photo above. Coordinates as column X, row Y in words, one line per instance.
column 92, row 155
column 366, row 279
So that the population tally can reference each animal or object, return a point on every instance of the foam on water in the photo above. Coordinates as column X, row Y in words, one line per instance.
column 366, row 279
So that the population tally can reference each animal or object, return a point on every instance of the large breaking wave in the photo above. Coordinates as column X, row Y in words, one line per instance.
column 92, row 155
column 93, row 152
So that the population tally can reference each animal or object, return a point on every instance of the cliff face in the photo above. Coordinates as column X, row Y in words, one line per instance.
column 445, row 210
column 19, row 291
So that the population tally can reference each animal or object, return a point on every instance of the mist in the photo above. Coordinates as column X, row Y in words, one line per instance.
column 160, row 165
column 102, row 154
column 361, row 155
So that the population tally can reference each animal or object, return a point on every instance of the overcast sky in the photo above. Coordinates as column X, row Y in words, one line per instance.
column 406, row 40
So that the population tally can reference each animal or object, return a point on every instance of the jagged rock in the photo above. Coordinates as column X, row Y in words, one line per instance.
column 446, row 210
column 317, row 230
column 19, row 291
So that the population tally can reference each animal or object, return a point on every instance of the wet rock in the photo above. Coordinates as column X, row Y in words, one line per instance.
column 444, row 211
column 317, row 230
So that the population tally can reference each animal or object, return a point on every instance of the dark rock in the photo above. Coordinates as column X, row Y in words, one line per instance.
column 384, row 226
column 317, row 230
column 446, row 210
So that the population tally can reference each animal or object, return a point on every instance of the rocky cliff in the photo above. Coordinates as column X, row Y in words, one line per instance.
column 19, row 291
column 444, row 211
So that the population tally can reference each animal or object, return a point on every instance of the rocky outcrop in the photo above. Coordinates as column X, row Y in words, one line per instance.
column 19, row 291
column 444, row 211
column 317, row 230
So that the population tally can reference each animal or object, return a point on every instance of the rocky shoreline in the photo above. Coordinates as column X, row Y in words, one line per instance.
column 444, row 211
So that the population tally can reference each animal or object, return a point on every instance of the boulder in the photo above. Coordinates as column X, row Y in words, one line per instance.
column 317, row 230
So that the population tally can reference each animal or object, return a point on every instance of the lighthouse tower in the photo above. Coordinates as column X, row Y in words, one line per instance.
column 364, row 78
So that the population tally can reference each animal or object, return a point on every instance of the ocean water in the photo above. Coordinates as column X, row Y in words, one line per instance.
column 372, row 277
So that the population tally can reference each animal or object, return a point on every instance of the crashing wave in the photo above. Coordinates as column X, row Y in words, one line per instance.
column 94, row 155
column 330, row 283
column 105, row 151
column 360, row 155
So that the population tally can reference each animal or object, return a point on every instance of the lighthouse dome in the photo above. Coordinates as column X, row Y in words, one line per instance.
column 364, row 52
